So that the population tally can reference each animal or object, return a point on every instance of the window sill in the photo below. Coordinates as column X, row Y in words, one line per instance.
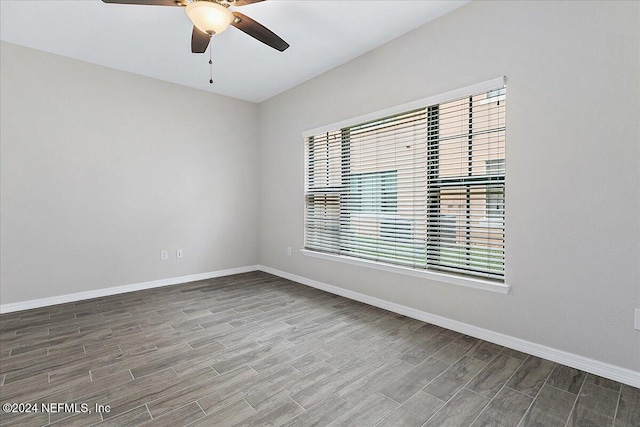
column 485, row 285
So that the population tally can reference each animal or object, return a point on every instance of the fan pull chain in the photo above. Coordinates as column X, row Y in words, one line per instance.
column 210, row 66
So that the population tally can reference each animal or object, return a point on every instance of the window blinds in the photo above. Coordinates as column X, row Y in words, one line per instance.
column 423, row 189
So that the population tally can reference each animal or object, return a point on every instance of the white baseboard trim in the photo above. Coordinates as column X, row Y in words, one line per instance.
column 586, row 364
column 79, row 296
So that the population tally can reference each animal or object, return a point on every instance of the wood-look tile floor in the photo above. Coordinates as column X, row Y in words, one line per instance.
column 257, row 350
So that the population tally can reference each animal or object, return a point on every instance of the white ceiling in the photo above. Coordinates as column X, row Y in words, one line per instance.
column 154, row 41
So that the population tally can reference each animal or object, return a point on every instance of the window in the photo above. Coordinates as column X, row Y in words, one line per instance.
column 423, row 188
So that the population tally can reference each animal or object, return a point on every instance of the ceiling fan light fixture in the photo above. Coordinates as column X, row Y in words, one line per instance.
column 209, row 17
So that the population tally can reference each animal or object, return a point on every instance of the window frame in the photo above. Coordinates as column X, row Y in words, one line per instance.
column 441, row 276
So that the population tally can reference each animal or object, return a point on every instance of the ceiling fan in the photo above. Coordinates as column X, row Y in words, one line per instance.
column 211, row 17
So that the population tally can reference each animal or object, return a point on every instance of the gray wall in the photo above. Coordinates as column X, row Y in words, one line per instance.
column 573, row 162
column 102, row 169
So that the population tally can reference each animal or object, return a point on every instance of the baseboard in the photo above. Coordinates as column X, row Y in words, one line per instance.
column 79, row 296
column 586, row 364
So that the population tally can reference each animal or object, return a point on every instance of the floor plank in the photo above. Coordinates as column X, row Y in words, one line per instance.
column 531, row 376
column 551, row 407
column 461, row 410
column 454, row 378
column 491, row 379
column 505, row 409
column 367, row 413
column 414, row 412
column 628, row 414
column 596, row 406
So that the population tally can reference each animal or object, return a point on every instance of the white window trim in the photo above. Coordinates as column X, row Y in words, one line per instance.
column 485, row 285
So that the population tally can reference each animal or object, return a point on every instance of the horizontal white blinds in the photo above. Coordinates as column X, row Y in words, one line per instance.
column 423, row 189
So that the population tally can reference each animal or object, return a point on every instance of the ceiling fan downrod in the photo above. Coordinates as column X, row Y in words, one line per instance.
column 210, row 66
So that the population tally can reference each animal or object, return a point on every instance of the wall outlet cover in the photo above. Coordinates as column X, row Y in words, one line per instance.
column 164, row 255
column 636, row 322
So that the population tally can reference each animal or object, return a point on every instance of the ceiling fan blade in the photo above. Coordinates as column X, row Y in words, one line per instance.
column 199, row 41
column 149, row 2
column 245, row 2
column 258, row 31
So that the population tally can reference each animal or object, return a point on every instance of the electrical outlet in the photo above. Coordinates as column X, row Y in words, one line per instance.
column 178, row 253
column 164, row 255
column 288, row 250
column 636, row 323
